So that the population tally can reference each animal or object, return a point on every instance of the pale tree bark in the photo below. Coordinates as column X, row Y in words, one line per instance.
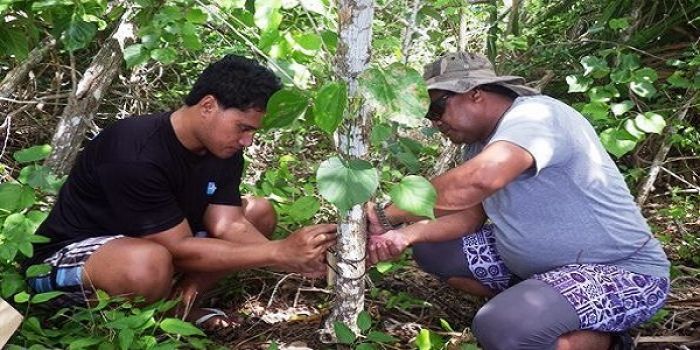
column 451, row 155
column 352, row 58
column 408, row 31
column 83, row 103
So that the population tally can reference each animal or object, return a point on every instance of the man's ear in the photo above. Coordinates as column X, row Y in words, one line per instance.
column 208, row 104
column 476, row 95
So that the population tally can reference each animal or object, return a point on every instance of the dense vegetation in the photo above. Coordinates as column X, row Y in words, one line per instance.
column 631, row 67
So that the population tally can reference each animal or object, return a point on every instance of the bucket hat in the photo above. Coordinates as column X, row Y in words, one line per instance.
column 461, row 72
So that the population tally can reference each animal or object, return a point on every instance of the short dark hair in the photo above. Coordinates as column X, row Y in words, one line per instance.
column 235, row 82
column 498, row 89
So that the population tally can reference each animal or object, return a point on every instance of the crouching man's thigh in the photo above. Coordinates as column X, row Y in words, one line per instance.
column 529, row 315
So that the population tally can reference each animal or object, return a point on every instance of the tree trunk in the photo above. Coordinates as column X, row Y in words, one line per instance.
column 352, row 58
column 83, row 103
column 408, row 31
column 17, row 75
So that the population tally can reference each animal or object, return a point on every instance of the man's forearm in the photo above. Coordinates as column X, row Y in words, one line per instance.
column 446, row 227
column 217, row 255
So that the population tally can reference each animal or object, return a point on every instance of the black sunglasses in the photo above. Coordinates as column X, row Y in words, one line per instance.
column 437, row 107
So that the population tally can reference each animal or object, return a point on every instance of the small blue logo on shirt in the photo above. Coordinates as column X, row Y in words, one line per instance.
column 211, row 188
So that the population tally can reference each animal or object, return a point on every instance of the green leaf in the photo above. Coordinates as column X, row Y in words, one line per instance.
column 621, row 76
column 267, row 14
column 11, row 284
column 135, row 55
column 126, row 338
column 602, row 94
column 21, row 297
column 379, row 134
column 44, row 297
column 38, row 270
column 304, row 208
column 629, row 62
column 578, row 83
column 643, row 88
column 423, row 340
column 32, row 154
column 645, row 74
column 84, row 343
column 631, row 128
column 309, row 42
column 446, row 325
column 13, row 41
column 191, row 42
column 329, row 106
column 595, row 111
column 78, row 34
column 330, row 39
column 196, row 16
column 14, row 196
column 678, row 80
column 384, row 266
column 283, row 108
column 621, row 108
column 365, row 346
column 176, row 326
column 166, row 55
column 398, row 93
column 381, row 337
column 618, row 23
column 617, row 142
column 344, row 334
column 273, row 346
column 416, row 195
column 594, row 66
column 346, row 183
column 650, row 122
column 364, row 321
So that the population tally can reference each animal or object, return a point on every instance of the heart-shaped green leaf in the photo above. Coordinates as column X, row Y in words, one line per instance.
column 343, row 333
column 329, row 106
column 398, row 93
column 416, row 195
column 283, row 108
column 32, row 154
column 346, row 183
column 650, row 122
column 617, row 142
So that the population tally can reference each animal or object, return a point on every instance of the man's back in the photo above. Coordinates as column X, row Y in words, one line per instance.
column 136, row 178
column 573, row 206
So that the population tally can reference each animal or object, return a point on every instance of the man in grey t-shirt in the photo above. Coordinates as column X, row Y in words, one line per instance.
column 562, row 219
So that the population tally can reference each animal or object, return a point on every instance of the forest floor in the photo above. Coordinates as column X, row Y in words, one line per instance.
column 289, row 309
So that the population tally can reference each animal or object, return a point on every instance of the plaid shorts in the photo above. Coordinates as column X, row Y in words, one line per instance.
column 67, row 272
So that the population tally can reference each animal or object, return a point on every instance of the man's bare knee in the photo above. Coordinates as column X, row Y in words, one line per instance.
column 129, row 266
column 260, row 212
column 582, row 340
column 470, row 286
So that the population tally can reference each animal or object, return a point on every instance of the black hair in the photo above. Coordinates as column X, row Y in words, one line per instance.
column 235, row 82
column 498, row 89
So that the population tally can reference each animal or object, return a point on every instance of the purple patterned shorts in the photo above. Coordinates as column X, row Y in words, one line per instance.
column 606, row 298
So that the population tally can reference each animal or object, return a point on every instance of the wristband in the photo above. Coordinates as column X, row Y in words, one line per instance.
column 381, row 215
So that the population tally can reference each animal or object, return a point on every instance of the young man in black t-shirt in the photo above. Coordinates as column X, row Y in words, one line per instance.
column 154, row 195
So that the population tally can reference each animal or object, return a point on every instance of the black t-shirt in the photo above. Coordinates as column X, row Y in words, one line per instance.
column 135, row 178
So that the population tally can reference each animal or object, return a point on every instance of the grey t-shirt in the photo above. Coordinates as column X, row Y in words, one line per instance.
column 573, row 206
